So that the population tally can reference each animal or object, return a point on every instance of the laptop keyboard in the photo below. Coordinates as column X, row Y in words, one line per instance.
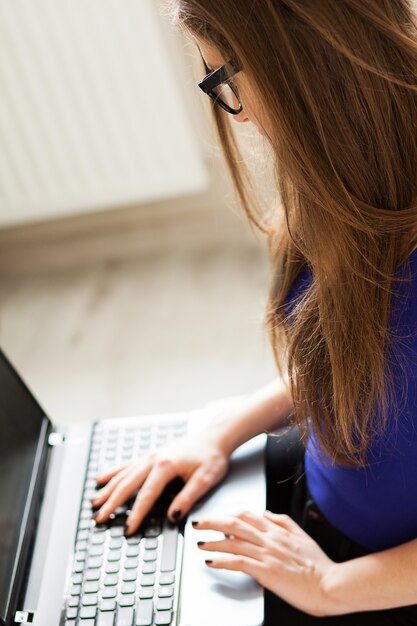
column 118, row 580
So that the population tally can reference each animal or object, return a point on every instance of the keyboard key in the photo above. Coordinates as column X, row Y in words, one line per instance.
column 152, row 531
column 131, row 563
column 151, row 542
column 71, row 612
column 129, row 575
column 163, row 617
column 149, row 568
column 80, row 556
column 96, row 550
column 91, row 586
column 169, row 547
column 132, row 541
column 89, row 599
column 75, row 590
column 81, row 546
column 132, row 550
column 94, row 562
column 127, row 600
column 146, row 592
column 105, row 619
column 109, row 592
column 84, row 524
column 147, row 579
column 73, row 601
column 149, row 555
column 112, row 568
column 110, row 580
column 129, row 587
column 88, row 612
column 166, row 578
column 125, row 616
column 114, row 555
column 116, row 531
column 77, row 579
column 92, row 574
column 166, row 591
column 98, row 539
column 107, row 605
column 164, row 604
column 144, row 613
column 115, row 543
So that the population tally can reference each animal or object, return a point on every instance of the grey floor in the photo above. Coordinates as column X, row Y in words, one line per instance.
column 170, row 327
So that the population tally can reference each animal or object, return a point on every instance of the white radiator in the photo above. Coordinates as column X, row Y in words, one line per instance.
column 92, row 114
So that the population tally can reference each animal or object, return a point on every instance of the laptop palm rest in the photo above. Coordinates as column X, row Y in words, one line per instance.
column 218, row 596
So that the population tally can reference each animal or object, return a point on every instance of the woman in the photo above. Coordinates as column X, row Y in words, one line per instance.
column 332, row 86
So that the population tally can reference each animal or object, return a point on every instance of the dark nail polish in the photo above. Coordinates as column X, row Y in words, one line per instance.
column 209, row 561
column 201, row 543
column 194, row 522
column 176, row 514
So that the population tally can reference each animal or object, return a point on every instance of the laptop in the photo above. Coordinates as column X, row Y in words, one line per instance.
column 58, row 568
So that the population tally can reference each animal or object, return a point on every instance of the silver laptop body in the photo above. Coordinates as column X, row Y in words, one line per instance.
column 40, row 594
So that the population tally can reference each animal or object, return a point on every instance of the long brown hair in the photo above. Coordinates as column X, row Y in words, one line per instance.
column 338, row 83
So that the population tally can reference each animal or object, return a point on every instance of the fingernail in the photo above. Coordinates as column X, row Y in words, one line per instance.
column 194, row 522
column 201, row 543
column 227, row 536
column 95, row 515
column 176, row 514
column 208, row 561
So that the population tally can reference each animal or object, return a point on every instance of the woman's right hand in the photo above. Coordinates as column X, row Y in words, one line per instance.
column 198, row 458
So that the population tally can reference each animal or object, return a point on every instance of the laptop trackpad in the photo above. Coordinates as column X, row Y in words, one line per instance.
column 219, row 596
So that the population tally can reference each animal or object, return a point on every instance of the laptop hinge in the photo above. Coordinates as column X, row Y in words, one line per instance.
column 24, row 617
column 56, row 439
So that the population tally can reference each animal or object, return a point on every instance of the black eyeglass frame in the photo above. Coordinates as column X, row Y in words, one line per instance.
column 214, row 78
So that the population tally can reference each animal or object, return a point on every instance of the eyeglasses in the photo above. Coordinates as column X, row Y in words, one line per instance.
column 219, row 87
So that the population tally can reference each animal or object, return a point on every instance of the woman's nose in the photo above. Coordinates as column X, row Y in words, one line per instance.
column 241, row 117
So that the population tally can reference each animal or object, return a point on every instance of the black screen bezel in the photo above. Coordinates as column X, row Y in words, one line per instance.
column 32, row 508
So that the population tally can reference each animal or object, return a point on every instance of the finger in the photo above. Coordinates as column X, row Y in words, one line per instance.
column 103, row 478
column 255, row 520
column 245, row 564
column 150, row 491
column 105, row 492
column 283, row 520
column 239, row 528
column 129, row 483
column 234, row 546
column 196, row 486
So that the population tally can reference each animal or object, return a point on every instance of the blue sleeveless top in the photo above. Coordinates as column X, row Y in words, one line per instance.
column 376, row 505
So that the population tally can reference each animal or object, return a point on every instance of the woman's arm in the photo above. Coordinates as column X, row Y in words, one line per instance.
column 266, row 409
column 377, row 581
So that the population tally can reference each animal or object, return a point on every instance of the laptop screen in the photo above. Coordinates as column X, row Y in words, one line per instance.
column 22, row 424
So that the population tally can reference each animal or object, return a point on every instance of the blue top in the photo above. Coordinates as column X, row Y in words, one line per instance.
column 376, row 506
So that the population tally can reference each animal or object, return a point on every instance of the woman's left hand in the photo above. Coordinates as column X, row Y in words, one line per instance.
column 277, row 553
